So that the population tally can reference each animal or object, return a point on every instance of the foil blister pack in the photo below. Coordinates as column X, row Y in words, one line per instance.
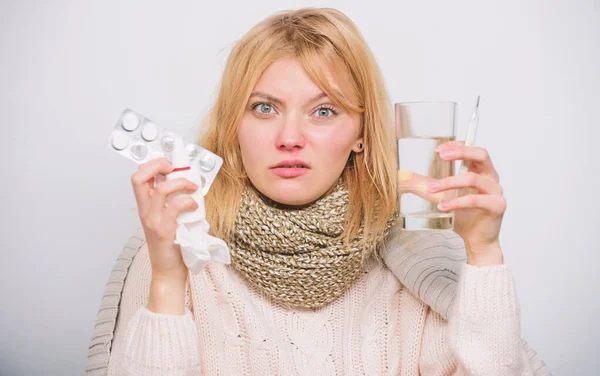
column 140, row 139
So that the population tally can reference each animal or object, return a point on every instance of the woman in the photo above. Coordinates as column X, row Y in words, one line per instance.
column 307, row 200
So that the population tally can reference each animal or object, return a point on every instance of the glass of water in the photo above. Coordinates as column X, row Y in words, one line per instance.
column 420, row 128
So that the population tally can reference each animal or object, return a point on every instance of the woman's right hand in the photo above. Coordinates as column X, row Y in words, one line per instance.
column 159, row 221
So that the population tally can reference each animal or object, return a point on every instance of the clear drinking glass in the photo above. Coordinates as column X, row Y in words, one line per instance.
column 420, row 128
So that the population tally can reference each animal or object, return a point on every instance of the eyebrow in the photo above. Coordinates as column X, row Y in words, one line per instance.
column 279, row 102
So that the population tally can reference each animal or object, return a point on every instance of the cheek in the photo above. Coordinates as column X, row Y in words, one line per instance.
column 252, row 140
column 339, row 149
column 337, row 144
column 252, row 130
column 246, row 141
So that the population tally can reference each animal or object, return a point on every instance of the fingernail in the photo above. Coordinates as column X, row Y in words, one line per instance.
column 443, row 205
column 443, row 146
column 447, row 153
column 434, row 187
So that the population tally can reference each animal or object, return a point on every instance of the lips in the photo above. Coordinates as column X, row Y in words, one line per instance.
column 290, row 168
column 293, row 163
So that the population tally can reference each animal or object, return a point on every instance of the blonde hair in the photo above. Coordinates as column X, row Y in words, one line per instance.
column 312, row 36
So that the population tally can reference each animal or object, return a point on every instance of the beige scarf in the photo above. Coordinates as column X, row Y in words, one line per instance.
column 297, row 257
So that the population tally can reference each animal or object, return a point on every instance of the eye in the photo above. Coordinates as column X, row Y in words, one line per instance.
column 324, row 112
column 264, row 108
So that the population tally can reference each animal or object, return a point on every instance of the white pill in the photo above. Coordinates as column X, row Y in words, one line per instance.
column 130, row 121
column 167, row 143
column 119, row 141
column 191, row 149
column 139, row 152
column 207, row 163
column 150, row 131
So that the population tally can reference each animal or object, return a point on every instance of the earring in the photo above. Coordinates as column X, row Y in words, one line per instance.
column 360, row 145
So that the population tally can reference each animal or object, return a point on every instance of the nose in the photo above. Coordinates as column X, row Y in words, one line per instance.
column 290, row 135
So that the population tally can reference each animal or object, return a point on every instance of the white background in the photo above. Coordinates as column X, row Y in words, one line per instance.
column 69, row 68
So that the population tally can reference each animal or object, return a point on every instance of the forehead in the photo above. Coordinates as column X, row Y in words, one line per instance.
column 288, row 77
column 288, row 74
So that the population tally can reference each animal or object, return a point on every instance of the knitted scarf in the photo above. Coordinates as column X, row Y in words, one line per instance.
column 297, row 257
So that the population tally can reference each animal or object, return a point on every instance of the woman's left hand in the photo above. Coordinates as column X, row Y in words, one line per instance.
column 480, row 204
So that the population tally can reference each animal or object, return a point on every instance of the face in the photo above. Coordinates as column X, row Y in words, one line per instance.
column 294, row 141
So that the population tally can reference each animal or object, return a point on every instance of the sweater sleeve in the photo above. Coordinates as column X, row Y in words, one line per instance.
column 482, row 335
column 427, row 263
column 148, row 343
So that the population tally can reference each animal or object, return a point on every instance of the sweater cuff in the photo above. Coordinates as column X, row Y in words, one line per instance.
column 163, row 344
column 486, row 293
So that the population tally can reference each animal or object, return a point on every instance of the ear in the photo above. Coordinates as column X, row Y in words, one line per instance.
column 358, row 146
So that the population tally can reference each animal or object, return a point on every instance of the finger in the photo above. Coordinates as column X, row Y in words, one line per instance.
column 468, row 180
column 449, row 145
column 162, row 191
column 478, row 159
column 410, row 182
column 179, row 205
column 143, row 180
column 491, row 203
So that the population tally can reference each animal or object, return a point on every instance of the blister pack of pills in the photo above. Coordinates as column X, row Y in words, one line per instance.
column 141, row 140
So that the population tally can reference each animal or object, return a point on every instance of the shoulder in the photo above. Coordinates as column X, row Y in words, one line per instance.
column 131, row 270
column 112, row 310
column 133, row 245
column 133, row 264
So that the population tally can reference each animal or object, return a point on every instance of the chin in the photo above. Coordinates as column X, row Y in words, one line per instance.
column 291, row 192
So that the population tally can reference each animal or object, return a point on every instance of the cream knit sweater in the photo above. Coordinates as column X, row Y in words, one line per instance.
column 391, row 322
